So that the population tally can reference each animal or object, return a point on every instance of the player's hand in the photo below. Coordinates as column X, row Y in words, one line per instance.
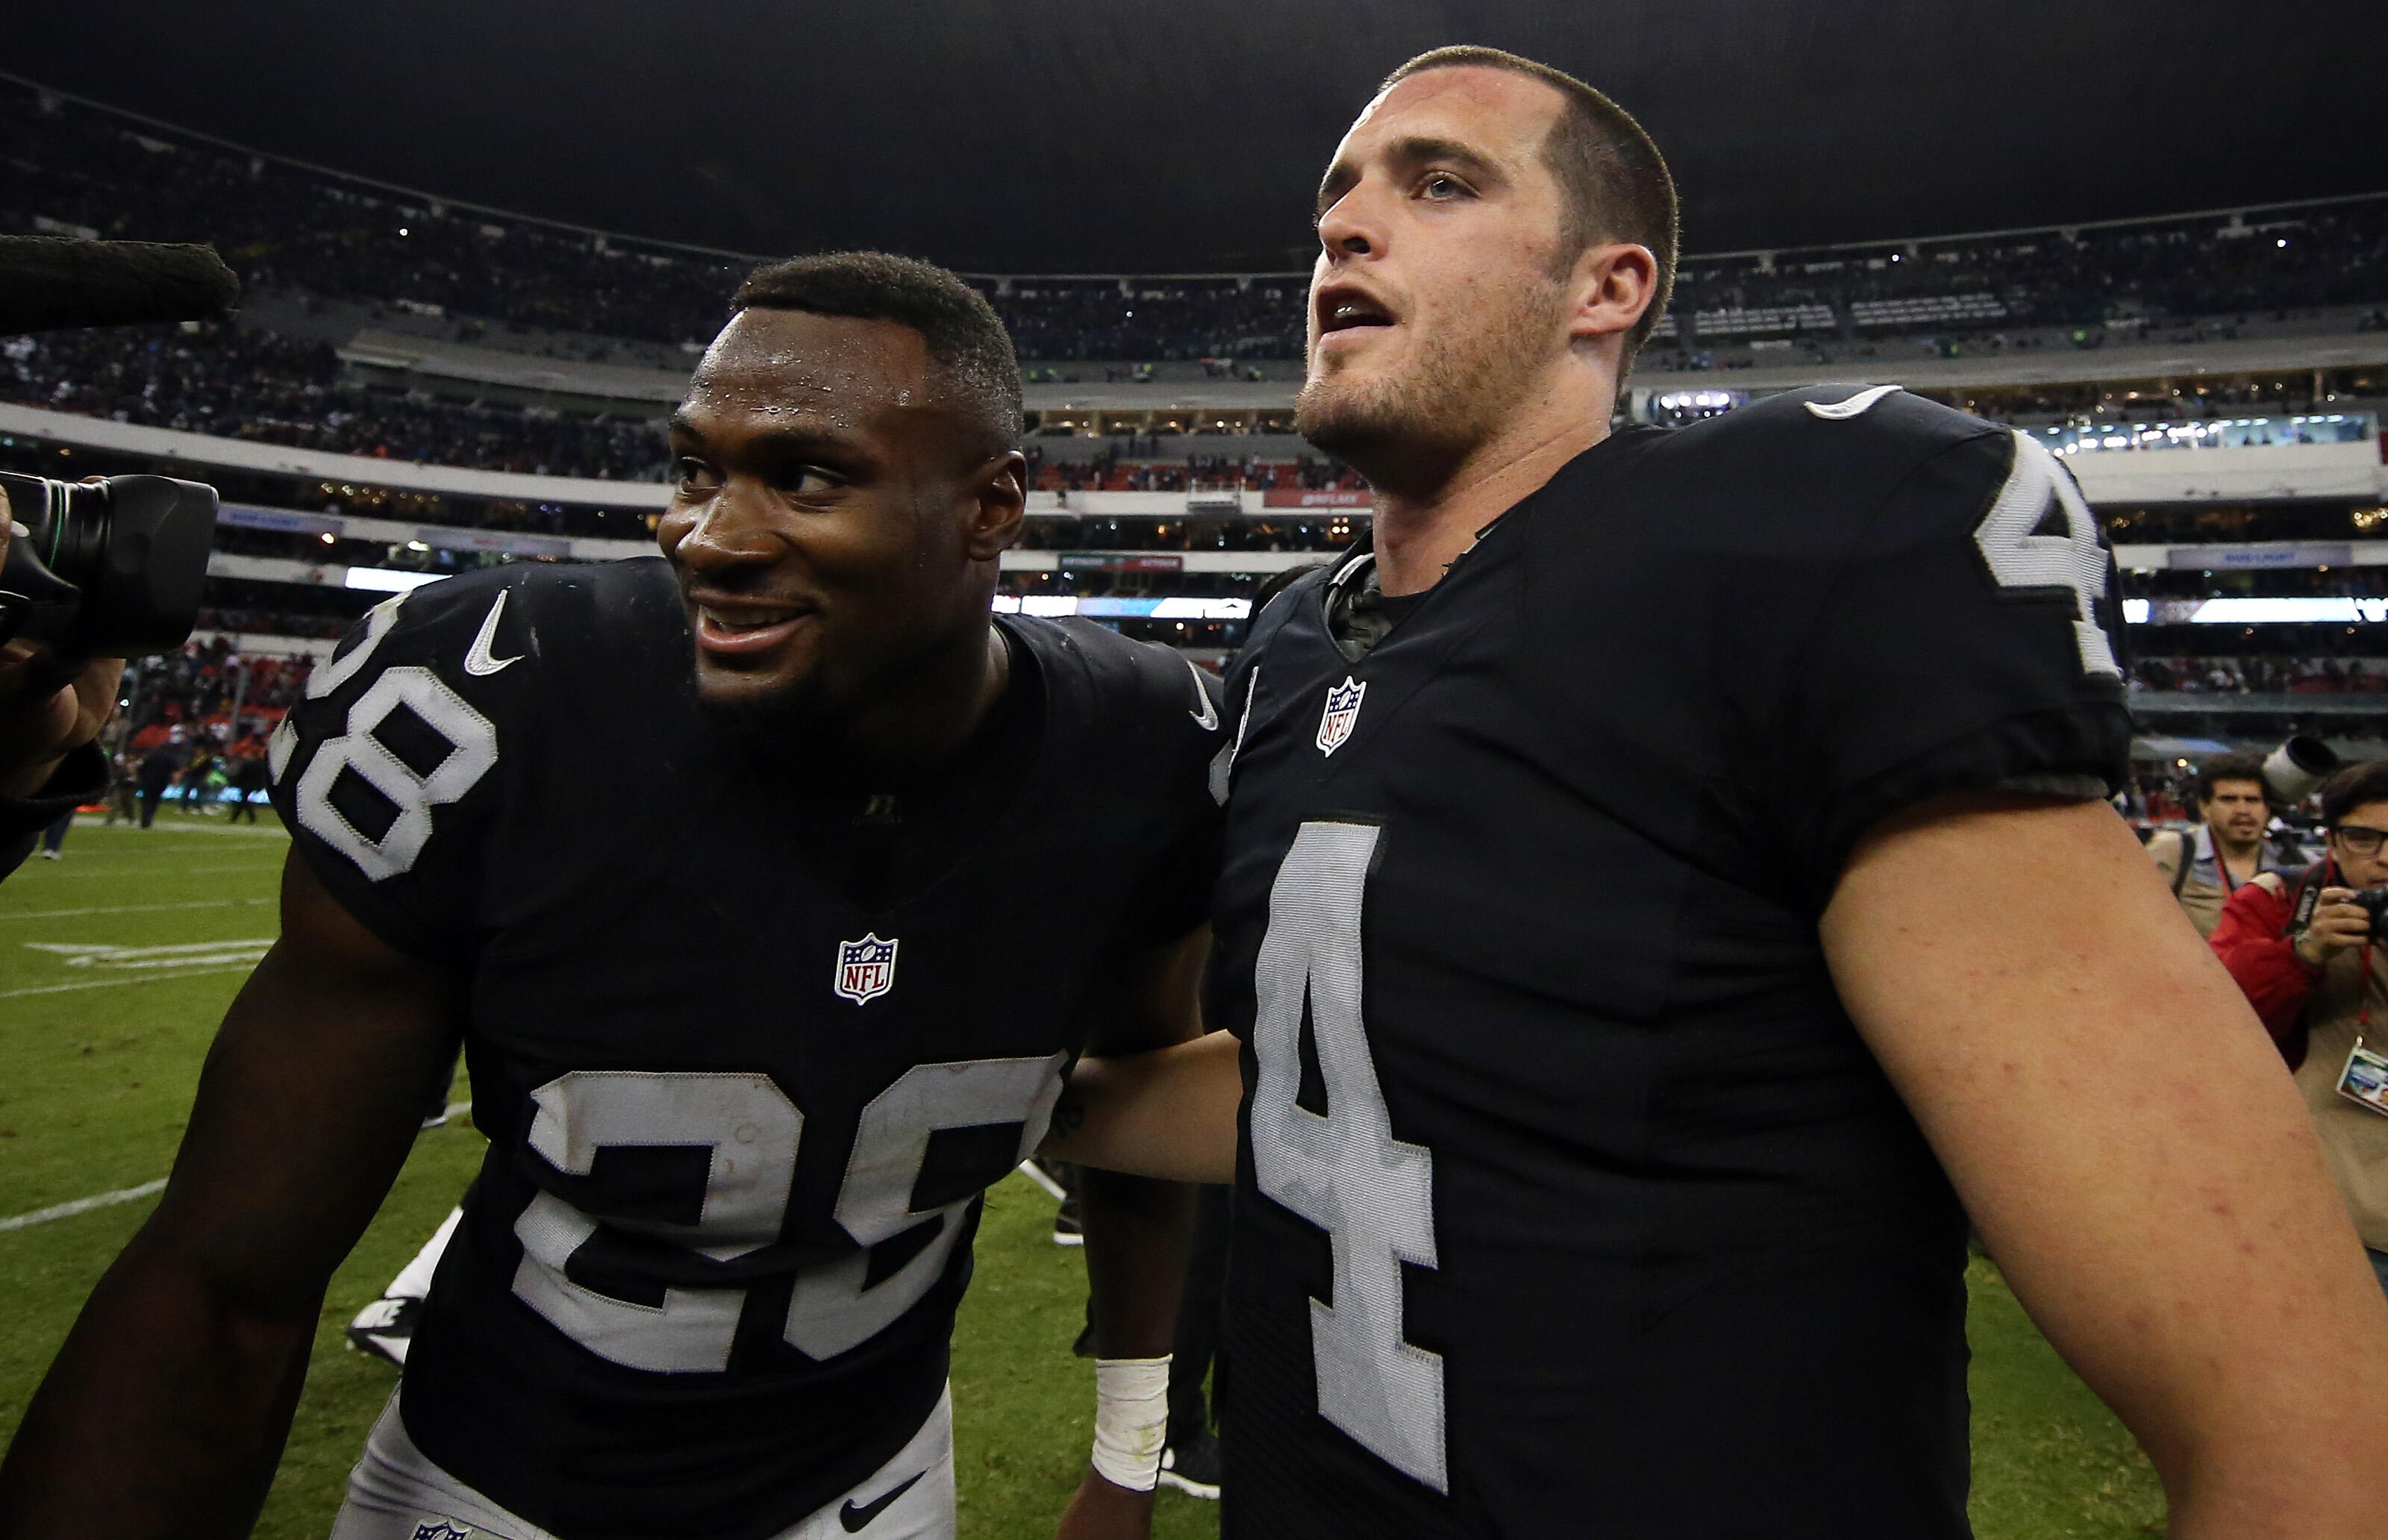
column 1100, row 1510
column 2338, row 925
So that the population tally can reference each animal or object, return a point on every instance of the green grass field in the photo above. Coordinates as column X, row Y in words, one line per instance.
column 116, row 962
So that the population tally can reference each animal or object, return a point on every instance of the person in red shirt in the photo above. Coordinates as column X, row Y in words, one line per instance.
column 2301, row 951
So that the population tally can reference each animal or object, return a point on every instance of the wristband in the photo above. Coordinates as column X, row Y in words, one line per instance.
column 1131, row 1420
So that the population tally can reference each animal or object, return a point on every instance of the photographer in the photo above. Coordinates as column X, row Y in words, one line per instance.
column 51, row 710
column 118, row 566
column 2305, row 950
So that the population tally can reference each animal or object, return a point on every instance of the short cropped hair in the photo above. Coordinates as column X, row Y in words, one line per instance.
column 965, row 337
column 1612, row 176
column 2351, row 788
column 2211, row 773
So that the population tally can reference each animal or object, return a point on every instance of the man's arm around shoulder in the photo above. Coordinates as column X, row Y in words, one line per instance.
column 1138, row 1230
column 166, row 1410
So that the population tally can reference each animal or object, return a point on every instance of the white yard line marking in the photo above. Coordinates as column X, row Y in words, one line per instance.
column 183, row 954
column 125, row 1194
column 113, row 983
column 129, row 909
column 82, row 1205
column 119, row 874
column 262, row 831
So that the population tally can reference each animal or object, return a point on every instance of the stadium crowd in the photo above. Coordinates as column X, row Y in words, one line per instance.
column 1118, row 472
column 2262, row 676
column 202, row 682
column 1325, row 536
column 72, row 168
column 236, row 382
column 69, row 168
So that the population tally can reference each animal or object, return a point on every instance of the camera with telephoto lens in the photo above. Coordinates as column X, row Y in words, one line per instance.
column 107, row 569
column 2296, row 770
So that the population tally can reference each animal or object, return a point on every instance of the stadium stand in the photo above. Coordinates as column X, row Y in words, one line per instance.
column 236, row 383
column 2213, row 380
column 73, row 167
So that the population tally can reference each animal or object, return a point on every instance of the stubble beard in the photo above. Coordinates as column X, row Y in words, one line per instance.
column 1413, row 429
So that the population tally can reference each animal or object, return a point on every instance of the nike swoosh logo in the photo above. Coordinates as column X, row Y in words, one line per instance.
column 856, row 1519
column 1841, row 411
column 1208, row 717
column 479, row 661
column 1222, row 763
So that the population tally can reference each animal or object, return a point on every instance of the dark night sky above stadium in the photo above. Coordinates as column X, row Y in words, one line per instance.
column 1044, row 135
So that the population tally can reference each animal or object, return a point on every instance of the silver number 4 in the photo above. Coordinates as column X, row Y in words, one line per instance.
column 2074, row 560
column 1346, row 1172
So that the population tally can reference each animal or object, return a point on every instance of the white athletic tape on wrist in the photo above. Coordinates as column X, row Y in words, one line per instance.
column 1131, row 1420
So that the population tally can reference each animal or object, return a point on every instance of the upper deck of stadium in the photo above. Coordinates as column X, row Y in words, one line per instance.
column 452, row 299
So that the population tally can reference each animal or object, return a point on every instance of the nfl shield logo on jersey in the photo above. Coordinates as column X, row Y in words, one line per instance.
column 1342, row 711
column 866, row 969
column 441, row 1528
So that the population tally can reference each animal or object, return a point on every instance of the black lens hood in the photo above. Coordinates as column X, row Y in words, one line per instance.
column 142, row 595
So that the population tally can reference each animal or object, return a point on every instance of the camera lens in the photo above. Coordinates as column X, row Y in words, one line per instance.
column 66, row 522
column 111, row 568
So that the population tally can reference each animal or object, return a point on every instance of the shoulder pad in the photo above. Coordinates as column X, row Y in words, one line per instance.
column 1155, row 678
column 1827, row 457
column 1871, row 419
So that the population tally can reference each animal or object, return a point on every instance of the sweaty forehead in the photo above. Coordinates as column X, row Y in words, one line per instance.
column 1496, row 112
column 795, row 364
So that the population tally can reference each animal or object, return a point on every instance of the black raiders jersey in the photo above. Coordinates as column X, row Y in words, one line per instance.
column 1569, row 1200
column 738, row 1124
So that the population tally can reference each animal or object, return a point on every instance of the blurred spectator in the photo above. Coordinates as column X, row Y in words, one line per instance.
column 2304, row 952
column 2206, row 864
column 124, row 788
column 251, row 780
column 158, row 768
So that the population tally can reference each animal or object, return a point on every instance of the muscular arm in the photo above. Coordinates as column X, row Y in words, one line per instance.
column 166, row 1410
column 2122, row 1133
column 1138, row 1230
column 1167, row 1113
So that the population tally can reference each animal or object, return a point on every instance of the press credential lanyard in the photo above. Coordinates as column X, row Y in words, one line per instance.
column 2363, row 1079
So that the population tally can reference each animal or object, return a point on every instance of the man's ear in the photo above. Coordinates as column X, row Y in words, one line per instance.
column 1611, row 284
column 998, row 502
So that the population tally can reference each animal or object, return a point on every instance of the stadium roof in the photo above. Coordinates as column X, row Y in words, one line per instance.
column 1039, row 135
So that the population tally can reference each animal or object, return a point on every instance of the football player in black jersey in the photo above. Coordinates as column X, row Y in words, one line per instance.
column 1667, row 888
column 764, row 970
